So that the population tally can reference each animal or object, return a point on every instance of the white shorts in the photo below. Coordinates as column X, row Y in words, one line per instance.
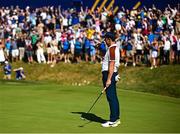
column 154, row 54
column 118, row 27
column 49, row 50
column 15, row 53
column 55, row 51
column 98, row 29
column 2, row 58
column 7, row 52
column 129, row 53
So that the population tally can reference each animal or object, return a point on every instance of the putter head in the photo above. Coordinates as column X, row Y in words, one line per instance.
column 82, row 118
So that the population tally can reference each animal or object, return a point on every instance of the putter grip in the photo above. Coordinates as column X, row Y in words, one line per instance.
column 103, row 90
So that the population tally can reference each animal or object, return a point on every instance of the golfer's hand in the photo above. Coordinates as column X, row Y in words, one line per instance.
column 108, row 83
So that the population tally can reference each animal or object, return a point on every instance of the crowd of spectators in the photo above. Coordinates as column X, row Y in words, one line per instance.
column 145, row 36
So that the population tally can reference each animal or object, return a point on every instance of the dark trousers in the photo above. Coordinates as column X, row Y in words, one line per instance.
column 111, row 96
column 178, row 56
column 166, row 54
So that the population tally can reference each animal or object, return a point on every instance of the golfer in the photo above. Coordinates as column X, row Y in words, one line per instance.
column 110, row 66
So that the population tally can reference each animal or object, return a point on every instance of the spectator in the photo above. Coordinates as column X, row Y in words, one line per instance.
column 7, row 71
column 47, row 41
column 21, row 45
column 78, row 49
column 29, row 50
column 178, row 49
column 154, row 54
column 129, row 52
column 2, row 57
column 139, row 46
column 161, row 53
column 8, row 48
column 55, row 51
column 66, row 26
column 15, row 51
column 40, row 52
column 92, row 51
column 66, row 47
column 19, row 73
column 167, row 46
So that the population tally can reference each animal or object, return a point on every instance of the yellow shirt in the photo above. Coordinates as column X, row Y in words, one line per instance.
column 90, row 33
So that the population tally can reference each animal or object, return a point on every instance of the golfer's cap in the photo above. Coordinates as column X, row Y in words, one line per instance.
column 110, row 35
column 21, row 68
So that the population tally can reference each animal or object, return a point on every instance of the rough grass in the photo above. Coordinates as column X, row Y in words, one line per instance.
column 164, row 80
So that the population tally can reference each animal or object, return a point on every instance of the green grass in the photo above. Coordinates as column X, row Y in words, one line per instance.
column 32, row 107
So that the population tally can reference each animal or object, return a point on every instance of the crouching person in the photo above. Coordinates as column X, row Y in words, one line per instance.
column 19, row 73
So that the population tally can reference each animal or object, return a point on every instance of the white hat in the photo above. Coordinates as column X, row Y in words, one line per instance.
column 6, row 62
column 21, row 68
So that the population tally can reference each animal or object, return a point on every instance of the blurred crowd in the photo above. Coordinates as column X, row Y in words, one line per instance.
column 145, row 36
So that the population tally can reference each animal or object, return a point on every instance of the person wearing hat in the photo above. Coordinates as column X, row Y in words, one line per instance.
column 110, row 65
column 19, row 73
column 7, row 71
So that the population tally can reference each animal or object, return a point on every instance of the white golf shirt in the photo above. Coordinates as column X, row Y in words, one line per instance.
column 112, row 54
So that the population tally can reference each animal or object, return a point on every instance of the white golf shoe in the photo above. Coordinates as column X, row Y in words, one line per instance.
column 111, row 124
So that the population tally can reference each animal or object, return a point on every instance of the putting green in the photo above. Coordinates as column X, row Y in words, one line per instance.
column 49, row 108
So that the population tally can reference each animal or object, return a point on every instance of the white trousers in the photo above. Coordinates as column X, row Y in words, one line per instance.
column 40, row 56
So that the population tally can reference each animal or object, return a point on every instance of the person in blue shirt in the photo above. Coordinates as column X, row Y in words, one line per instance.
column 8, row 48
column 129, row 52
column 92, row 51
column 87, row 49
column 66, row 47
column 78, row 49
column 19, row 73
column 102, row 49
column 151, row 37
column 7, row 71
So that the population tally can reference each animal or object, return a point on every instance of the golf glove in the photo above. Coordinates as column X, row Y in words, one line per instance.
column 117, row 78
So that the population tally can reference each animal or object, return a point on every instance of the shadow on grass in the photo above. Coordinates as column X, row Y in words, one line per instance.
column 90, row 117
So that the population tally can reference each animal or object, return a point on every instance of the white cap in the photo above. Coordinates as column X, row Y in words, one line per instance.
column 21, row 68
column 6, row 62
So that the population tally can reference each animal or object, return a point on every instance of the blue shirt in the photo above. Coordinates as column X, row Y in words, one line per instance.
column 117, row 20
column 151, row 38
column 75, row 20
column 139, row 24
column 7, row 69
column 142, row 14
column 19, row 74
column 92, row 47
column 66, row 45
column 129, row 46
column 102, row 47
column 78, row 45
column 8, row 45
column 87, row 44
column 21, row 18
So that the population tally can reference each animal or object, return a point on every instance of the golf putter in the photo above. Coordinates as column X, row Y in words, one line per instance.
column 95, row 101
